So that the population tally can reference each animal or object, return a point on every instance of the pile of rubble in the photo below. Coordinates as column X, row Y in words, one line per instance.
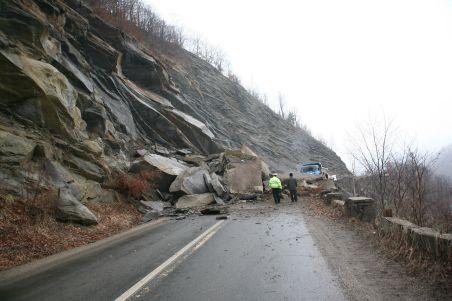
column 362, row 208
column 187, row 183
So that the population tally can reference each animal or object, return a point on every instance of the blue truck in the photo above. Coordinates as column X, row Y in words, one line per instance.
column 311, row 169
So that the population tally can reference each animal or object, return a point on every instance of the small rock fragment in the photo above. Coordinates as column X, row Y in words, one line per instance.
column 211, row 211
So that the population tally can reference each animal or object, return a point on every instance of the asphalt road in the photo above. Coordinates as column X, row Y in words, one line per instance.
column 106, row 275
column 251, row 257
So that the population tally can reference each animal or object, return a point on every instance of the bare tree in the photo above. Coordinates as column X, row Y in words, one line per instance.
column 265, row 99
column 292, row 118
column 213, row 55
column 253, row 93
column 372, row 150
column 439, row 195
column 139, row 20
column 305, row 128
column 403, row 180
column 219, row 59
column 195, row 45
column 419, row 165
column 281, row 105
column 353, row 167
column 234, row 78
column 398, row 175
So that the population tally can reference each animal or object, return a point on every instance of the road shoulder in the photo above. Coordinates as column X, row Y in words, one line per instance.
column 365, row 272
column 39, row 266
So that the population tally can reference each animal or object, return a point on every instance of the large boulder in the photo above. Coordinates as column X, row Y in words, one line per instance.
column 71, row 210
column 245, row 177
column 195, row 200
column 328, row 185
column 72, row 190
column 243, row 173
column 166, row 169
column 265, row 169
column 191, row 181
column 208, row 182
column 149, row 216
column 40, row 93
column 216, row 185
column 153, row 205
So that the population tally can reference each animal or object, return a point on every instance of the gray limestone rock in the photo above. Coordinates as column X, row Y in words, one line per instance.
column 195, row 200
column 191, row 181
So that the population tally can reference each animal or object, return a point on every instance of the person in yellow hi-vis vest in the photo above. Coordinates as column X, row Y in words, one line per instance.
column 275, row 184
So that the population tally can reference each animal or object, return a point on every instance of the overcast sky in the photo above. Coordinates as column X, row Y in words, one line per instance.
column 337, row 62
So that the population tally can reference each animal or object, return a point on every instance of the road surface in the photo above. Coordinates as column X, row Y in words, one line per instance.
column 262, row 252
column 256, row 257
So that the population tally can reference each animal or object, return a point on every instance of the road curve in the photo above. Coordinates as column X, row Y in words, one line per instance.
column 251, row 257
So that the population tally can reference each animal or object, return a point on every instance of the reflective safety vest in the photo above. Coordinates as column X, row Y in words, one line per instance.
column 274, row 182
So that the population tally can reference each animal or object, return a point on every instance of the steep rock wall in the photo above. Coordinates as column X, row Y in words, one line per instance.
column 93, row 95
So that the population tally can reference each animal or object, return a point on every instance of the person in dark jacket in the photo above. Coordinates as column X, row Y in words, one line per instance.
column 292, row 186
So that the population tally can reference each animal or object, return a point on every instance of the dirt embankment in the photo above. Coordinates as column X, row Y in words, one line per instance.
column 29, row 231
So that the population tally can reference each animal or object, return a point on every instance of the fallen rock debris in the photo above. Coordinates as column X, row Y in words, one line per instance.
column 198, row 183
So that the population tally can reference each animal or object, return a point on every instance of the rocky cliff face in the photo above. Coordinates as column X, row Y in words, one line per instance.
column 236, row 118
column 79, row 97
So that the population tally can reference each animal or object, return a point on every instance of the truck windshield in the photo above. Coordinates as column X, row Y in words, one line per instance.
column 310, row 169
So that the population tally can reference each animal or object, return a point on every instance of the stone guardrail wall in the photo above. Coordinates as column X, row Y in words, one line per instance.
column 362, row 208
column 425, row 240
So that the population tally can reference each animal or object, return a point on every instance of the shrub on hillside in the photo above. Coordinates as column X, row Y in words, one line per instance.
column 133, row 185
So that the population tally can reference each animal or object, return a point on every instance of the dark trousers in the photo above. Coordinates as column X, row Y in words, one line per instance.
column 276, row 195
column 293, row 195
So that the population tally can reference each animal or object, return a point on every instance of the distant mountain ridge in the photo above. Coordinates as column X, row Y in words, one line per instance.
column 444, row 162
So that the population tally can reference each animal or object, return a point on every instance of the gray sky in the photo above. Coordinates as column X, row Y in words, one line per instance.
column 337, row 62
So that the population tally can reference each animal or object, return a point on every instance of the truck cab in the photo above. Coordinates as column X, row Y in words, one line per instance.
column 311, row 169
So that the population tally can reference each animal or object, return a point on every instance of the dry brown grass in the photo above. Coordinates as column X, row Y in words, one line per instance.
column 30, row 231
column 396, row 247
column 319, row 208
column 133, row 185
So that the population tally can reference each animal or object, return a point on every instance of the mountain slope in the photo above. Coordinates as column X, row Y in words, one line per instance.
column 68, row 74
column 235, row 117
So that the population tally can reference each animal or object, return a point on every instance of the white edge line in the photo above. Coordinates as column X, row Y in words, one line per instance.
column 198, row 241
